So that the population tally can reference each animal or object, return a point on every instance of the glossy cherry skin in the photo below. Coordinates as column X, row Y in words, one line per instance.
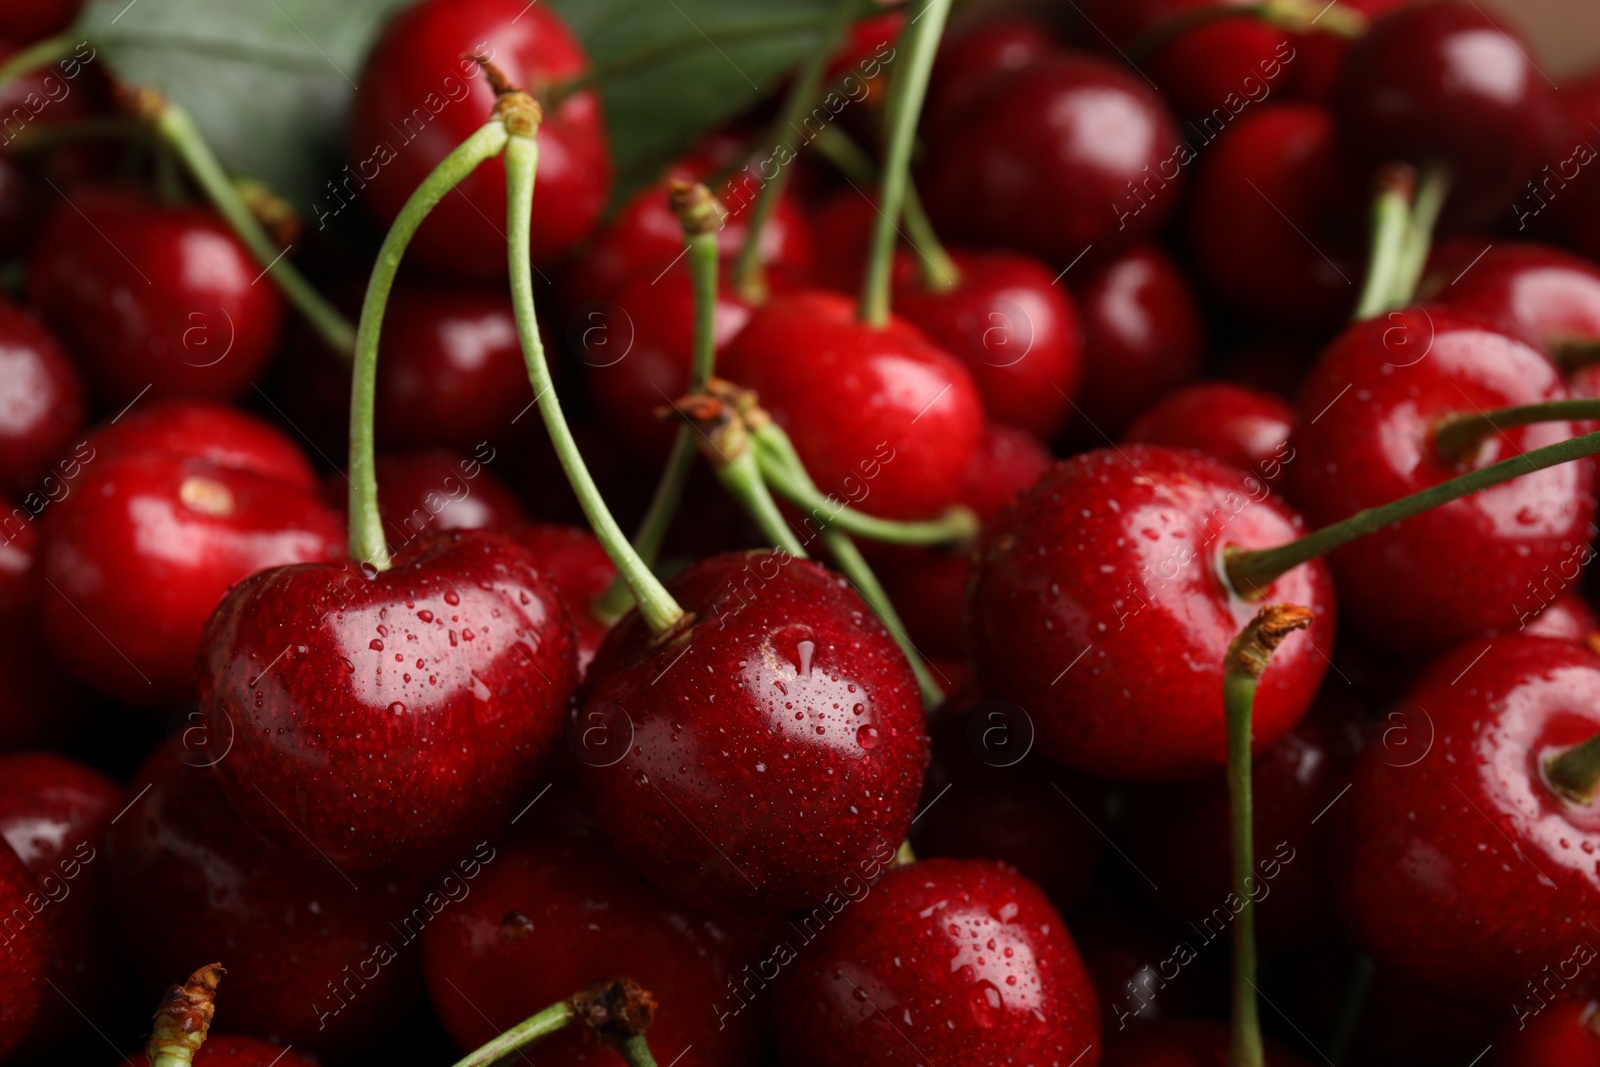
column 231, row 1050
column 1566, row 618
column 517, row 945
column 1462, row 870
column 579, row 568
column 1363, row 437
column 969, row 56
column 882, row 418
column 1274, row 228
column 1025, row 162
column 202, row 429
column 1183, row 1043
column 1142, row 335
column 1441, row 83
column 190, row 879
column 54, row 814
column 418, row 61
column 1016, row 331
column 170, row 304
column 1097, row 606
column 143, row 549
column 944, row 961
column 1546, row 296
column 1241, row 427
column 42, row 405
column 433, row 491
column 25, row 953
column 783, row 722
column 1565, row 1034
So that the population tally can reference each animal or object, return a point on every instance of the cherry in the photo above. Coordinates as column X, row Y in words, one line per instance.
column 1097, row 606
column 843, row 224
column 150, row 296
column 1274, row 229
column 1364, row 437
column 419, row 99
column 1239, row 426
column 54, row 814
column 1319, row 56
column 1024, row 161
column 42, row 405
column 1183, row 1043
column 879, row 409
column 39, row 702
column 514, row 947
column 1563, row 195
column 871, row 38
column 1142, row 335
column 231, row 1050
column 31, row 22
column 1142, row 971
column 312, row 960
column 1016, row 331
column 1488, row 873
column 944, row 961
column 1565, row 1034
column 968, row 57
column 579, row 568
column 201, row 429
column 25, row 951
column 782, row 721
column 434, row 491
column 141, row 551
column 386, row 723
column 1566, row 618
column 1441, row 84
column 1541, row 294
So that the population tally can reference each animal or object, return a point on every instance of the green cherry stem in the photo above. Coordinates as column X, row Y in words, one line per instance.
column 1432, row 192
column 1250, row 572
column 177, row 129
column 635, row 1051
column 908, row 87
column 1457, row 438
column 37, row 55
column 1391, row 222
column 534, row 1028
column 1575, row 773
column 183, row 1020
column 1575, row 353
column 660, row 612
column 367, row 543
column 1247, row 660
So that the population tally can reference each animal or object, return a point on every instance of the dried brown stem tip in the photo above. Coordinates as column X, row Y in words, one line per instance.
column 185, row 1014
column 697, row 210
column 140, row 101
column 1252, row 650
column 1400, row 179
column 616, row 1010
column 497, row 78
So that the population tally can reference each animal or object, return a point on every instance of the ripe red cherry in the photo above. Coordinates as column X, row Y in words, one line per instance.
column 880, row 407
column 1241, row 427
column 1564, row 1034
column 1443, row 84
column 190, row 880
column 433, row 491
column 388, row 723
column 205, row 430
column 752, row 757
column 54, row 814
column 579, row 568
column 419, row 99
column 150, row 295
column 1016, row 331
column 1142, row 335
column 1274, row 228
column 231, row 1050
column 516, row 945
column 1488, row 875
column 1183, row 1043
column 969, row 56
column 1541, row 294
column 26, row 952
column 944, row 961
column 1363, row 437
column 141, row 551
column 1025, row 162
column 1320, row 56
column 1098, row 607
column 1566, row 618
column 41, row 401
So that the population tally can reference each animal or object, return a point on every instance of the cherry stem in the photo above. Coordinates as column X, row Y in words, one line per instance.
column 1250, row 572
column 367, row 543
column 907, row 89
column 660, row 612
column 1575, row 774
column 903, row 856
column 953, row 527
column 1575, row 353
column 748, row 276
column 534, row 1028
column 1457, row 437
column 40, row 54
column 1247, row 660
column 1432, row 191
column 183, row 1020
column 177, row 129
column 1391, row 220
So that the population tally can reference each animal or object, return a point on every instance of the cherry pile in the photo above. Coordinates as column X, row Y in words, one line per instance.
column 974, row 447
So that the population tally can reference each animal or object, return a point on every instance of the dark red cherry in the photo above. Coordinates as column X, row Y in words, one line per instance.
column 1025, row 161
column 1320, row 55
column 25, row 951
column 1274, row 228
column 1564, row 1033
column 1560, row 200
column 1242, row 427
column 1442, row 83
column 201, row 429
column 868, row 46
column 969, row 56
column 42, row 405
column 54, row 814
column 1016, row 331
column 1098, row 607
column 1458, row 866
column 39, row 701
column 843, row 223
column 1183, row 1043
column 1142, row 335
column 433, row 491
column 1363, row 436
column 141, row 551
column 231, row 1050
column 577, row 565
column 1142, row 969
column 755, row 755
column 880, row 408
column 313, row 959
column 151, row 296
column 1547, row 297
column 387, row 723
column 552, row 915
column 421, row 94
column 30, row 22
column 944, row 961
